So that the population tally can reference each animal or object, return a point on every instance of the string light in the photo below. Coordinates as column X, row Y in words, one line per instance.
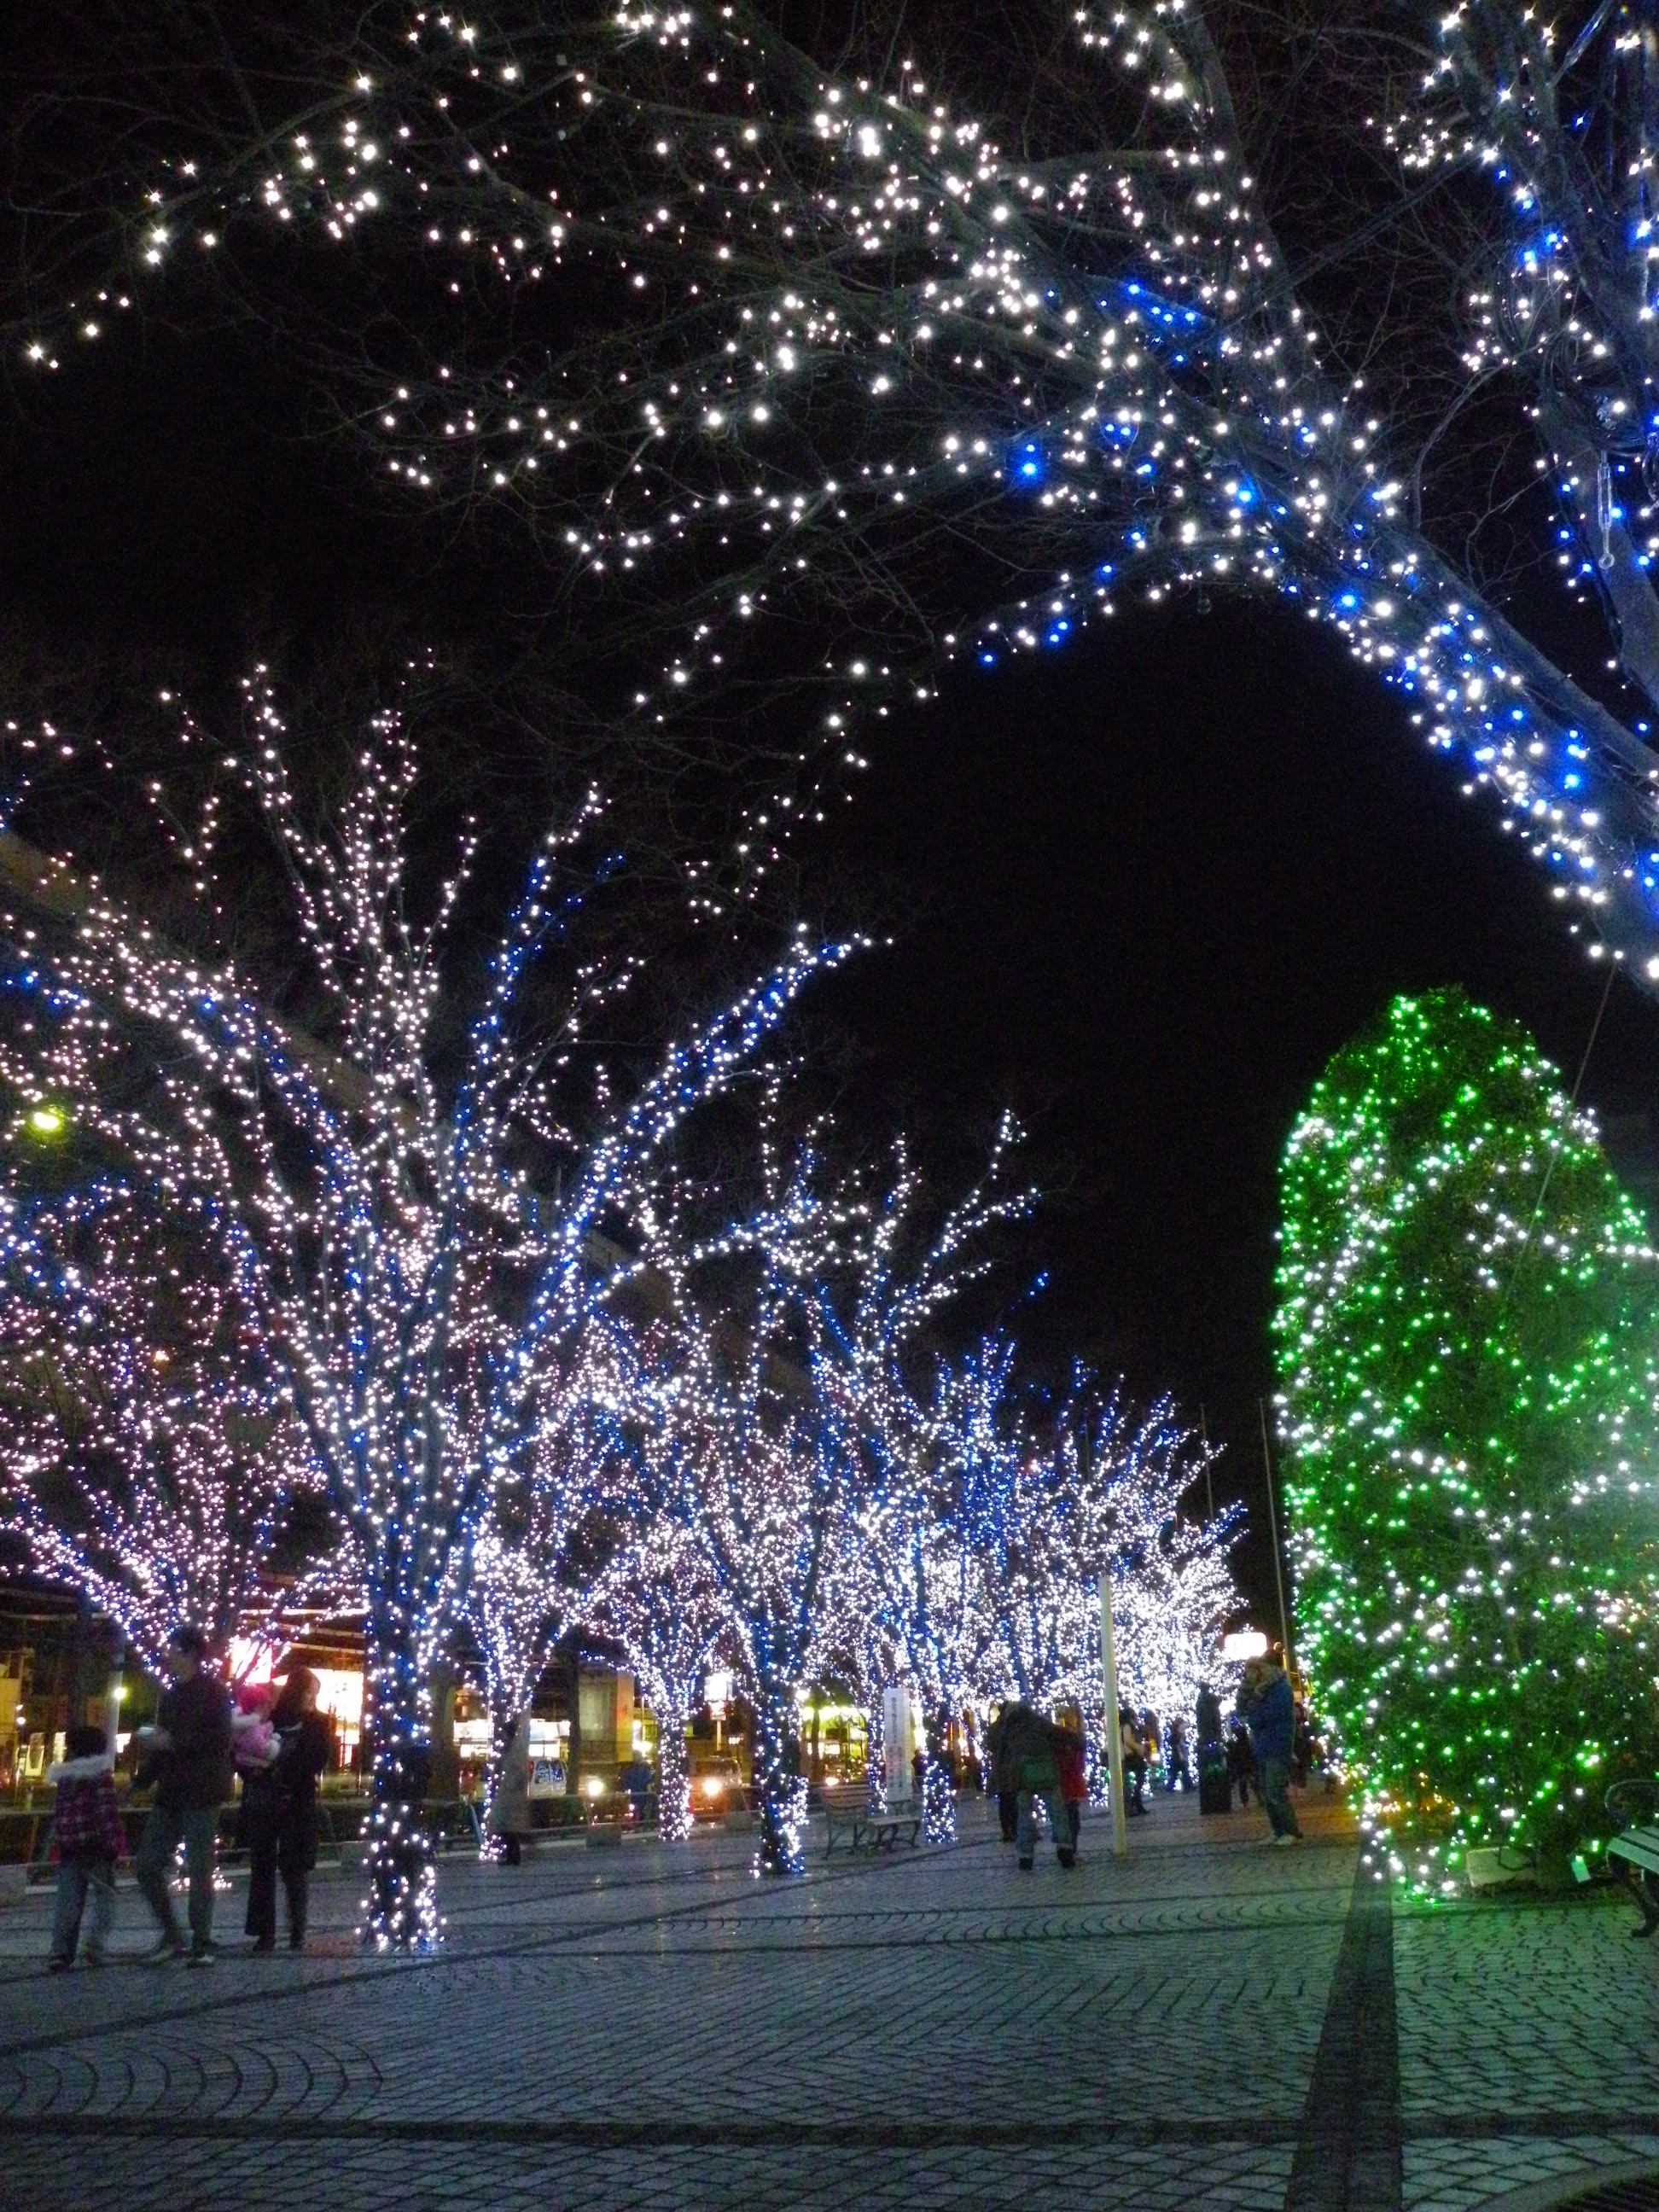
column 1034, row 1508
column 538, row 1530
column 148, row 1463
column 844, row 326
column 1469, row 1375
column 416, row 1254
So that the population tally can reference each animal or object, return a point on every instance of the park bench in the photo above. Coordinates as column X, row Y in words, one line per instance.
column 848, row 1813
column 1633, row 1853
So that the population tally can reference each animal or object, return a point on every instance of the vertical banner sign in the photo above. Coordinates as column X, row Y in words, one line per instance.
column 899, row 1740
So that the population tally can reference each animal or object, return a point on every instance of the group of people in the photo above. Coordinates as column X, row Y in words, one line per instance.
column 278, row 1742
column 1035, row 1761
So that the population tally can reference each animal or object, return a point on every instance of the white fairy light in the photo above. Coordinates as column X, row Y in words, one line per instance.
column 371, row 1214
column 1170, row 424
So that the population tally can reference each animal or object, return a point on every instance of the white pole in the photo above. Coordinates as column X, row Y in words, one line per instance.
column 1114, row 1732
column 1272, row 1526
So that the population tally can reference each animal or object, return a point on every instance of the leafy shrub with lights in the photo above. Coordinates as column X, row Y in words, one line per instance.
column 1466, row 1357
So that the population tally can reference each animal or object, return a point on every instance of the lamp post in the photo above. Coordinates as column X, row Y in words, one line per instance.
column 1113, row 1732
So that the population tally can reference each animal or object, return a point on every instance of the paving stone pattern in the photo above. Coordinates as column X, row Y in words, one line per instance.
column 650, row 2027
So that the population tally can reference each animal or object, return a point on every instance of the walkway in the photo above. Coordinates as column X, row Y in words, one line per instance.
column 1215, row 2024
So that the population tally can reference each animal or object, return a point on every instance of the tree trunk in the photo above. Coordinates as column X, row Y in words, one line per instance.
column 875, row 1757
column 673, row 1774
column 939, row 1797
column 783, row 1789
column 402, row 1902
column 501, row 1725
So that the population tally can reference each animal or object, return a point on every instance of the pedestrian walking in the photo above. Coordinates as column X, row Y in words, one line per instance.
column 86, row 1828
column 1073, row 1788
column 1178, row 1773
column 187, row 1756
column 1001, row 1779
column 1031, row 1754
column 1240, row 1760
column 283, row 1828
column 1134, row 1761
column 1268, row 1708
column 1215, row 1788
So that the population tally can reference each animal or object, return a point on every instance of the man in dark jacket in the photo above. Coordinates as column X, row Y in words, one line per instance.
column 1267, row 1706
column 1029, row 1747
column 1001, row 1780
column 188, row 1756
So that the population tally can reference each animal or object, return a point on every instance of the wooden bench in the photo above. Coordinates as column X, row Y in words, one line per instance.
column 847, row 1814
column 1633, row 1853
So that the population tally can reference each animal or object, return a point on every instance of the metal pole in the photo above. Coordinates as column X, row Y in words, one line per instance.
column 1113, row 1732
column 1272, row 1523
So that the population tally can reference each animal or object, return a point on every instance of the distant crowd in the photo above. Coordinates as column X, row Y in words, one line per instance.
column 1266, row 1746
column 275, row 1741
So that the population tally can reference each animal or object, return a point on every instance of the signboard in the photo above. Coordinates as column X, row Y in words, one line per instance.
column 898, row 1740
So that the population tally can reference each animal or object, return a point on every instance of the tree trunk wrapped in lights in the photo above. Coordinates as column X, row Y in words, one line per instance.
column 407, row 1202
column 735, row 1462
column 540, row 1532
column 659, row 1599
column 764, row 1502
column 1468, row 1362
column 977, row 331
column 905, row 1587
column 401, row 1907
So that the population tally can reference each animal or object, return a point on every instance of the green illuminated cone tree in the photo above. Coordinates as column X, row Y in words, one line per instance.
column 1466, row 1358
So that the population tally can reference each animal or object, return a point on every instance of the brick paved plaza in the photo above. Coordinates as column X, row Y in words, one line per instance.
column 1215, row 2023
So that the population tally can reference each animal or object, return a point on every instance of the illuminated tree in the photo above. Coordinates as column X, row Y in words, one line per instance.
column 964, row 331
column 539, row 1534
column 408, row 1197
column 1467, row 1369
column 739, row 1469
column 145, row 1459
column 1035, row 1507
column 765, row 1508
column 660, row 1600
column 904, row 1587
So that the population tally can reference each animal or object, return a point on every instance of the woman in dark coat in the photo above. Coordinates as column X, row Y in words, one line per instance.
column 281, row 1813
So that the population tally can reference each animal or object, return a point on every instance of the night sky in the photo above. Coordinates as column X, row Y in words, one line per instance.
column 1140, row 893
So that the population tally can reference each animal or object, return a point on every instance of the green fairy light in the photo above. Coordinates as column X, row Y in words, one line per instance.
column 1467, row 1360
